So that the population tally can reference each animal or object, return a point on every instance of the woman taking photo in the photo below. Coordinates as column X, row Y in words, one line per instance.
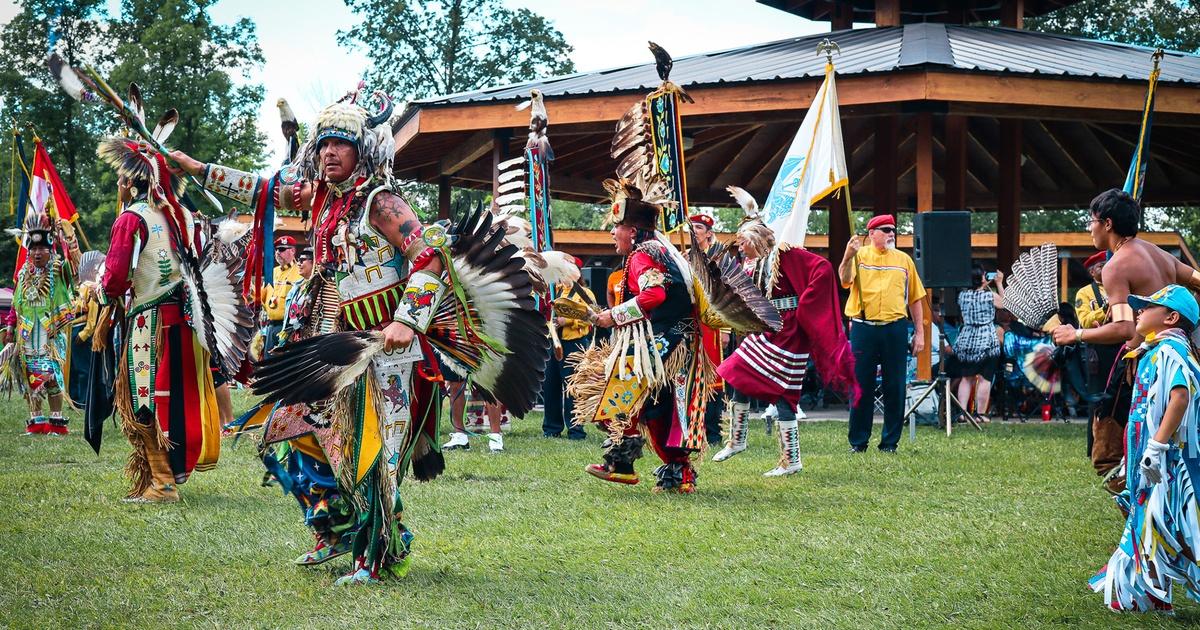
column 977, row 346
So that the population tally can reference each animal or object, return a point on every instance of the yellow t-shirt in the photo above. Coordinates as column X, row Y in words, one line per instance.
column 1088, row 309
column 275, row 296
column 882, row 285
column 574, row 328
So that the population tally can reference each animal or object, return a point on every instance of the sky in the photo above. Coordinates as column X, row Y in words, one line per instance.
column 305, row 65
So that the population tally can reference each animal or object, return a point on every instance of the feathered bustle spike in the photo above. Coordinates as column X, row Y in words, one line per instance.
column 745, row 200
column 1031, row 291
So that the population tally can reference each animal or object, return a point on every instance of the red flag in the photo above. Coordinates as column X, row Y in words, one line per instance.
column 45, row 183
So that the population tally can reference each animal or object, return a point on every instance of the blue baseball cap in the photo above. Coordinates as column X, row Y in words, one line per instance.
column 1172, row 296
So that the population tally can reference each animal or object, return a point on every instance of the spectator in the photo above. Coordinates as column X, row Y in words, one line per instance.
column 977, row 346
column 558, row 408
column 884, row 288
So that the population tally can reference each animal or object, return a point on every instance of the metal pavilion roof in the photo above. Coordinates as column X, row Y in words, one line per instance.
column 866, row 51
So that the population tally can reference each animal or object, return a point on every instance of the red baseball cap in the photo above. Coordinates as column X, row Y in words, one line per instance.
column 285, row 242
column 1094, row 259
column 578, row 262
column 701, row 218
column 882, row 220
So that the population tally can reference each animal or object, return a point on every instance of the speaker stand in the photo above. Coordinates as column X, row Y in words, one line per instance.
column 951, row 402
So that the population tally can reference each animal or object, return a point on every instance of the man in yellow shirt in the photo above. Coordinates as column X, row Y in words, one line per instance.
column 884, row 290
column 558, row 407
column 287, row 273
column 1091, row 301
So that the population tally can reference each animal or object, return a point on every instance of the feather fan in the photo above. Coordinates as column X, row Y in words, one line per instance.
column 1031, row 291
column 730, row 299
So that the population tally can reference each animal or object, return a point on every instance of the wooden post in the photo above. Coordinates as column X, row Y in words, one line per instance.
column 1063, row 265
column 443, row 197
column 841, row 16
column 886, row 130
column 499, row 154
column 887, row 12
column 955, row 171
column 839, row 228
column 1008, row 210
column 1012, row 13
column 924, row 169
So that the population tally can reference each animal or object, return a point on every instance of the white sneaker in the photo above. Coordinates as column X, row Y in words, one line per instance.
column 496, row 442
column 770, row 412
column 458, row 441
column 727, row 452
column 800, row 415
column 780, row 471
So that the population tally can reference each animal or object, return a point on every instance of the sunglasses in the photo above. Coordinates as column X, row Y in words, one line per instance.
column 887, row 230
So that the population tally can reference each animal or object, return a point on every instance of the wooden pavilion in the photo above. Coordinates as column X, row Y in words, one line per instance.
column 936, row 115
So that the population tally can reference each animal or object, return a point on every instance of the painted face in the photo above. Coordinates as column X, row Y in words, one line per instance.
column 622, row 236
column 883, row 238
column 338, row 159
column 39, row 255
column 1155, row 318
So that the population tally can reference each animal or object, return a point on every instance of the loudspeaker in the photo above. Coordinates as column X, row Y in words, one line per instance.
column 942, row 248
column 597, row 280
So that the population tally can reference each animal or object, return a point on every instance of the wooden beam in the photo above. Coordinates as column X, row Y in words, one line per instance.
column 924, row 162
column 1084, row 94
column 1008, row 220
column 886, row 133
column 1012, row 13
column 473, row 148
column 443, row 197
column 955, row 171
column 887, row 12
column 499, row 154
column 841, row 16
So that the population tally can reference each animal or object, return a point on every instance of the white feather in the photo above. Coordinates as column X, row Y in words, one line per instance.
column 744, row 199
column 507, row 164
column 504, row 200
column 511, row 174
column 231, row 230
column 560, row 268
column 511, row 186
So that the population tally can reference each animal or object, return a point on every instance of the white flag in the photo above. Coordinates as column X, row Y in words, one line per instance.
column 815, row 165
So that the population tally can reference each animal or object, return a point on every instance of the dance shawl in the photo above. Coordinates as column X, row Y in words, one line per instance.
column 772, row 365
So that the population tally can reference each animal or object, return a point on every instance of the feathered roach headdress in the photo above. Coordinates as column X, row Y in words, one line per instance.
column 38, row 230
column 637, row 206
column 369, row 132
column 752, row 228
column 133, row 159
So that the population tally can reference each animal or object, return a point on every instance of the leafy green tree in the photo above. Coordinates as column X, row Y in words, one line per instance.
column 1171, row 24
column 172, row 49
column 421, row 48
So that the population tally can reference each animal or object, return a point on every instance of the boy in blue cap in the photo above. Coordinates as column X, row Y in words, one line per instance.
column 1161, row 540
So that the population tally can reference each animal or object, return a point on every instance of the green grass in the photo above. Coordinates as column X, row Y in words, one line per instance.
column 992, row 530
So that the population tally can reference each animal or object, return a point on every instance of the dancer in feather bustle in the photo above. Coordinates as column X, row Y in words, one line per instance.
column 663, row 386
column 35, row 336
column 354, row 384
column 770, row 367
column 180, row 312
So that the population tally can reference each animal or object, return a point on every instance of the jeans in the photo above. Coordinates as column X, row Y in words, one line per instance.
column 713, row 413
column 558, row 406
column 884, row 347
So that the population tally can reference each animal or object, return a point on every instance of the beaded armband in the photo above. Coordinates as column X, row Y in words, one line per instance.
column 422, row 296
column 287, row 193
column 240, row 186
column 627, row 313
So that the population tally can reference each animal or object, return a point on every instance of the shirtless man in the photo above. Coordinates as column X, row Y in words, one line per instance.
column 1136, row 267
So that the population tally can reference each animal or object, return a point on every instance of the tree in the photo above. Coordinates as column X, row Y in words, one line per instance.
column 421, row 48
column 1172, row 25
column 171, row 49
